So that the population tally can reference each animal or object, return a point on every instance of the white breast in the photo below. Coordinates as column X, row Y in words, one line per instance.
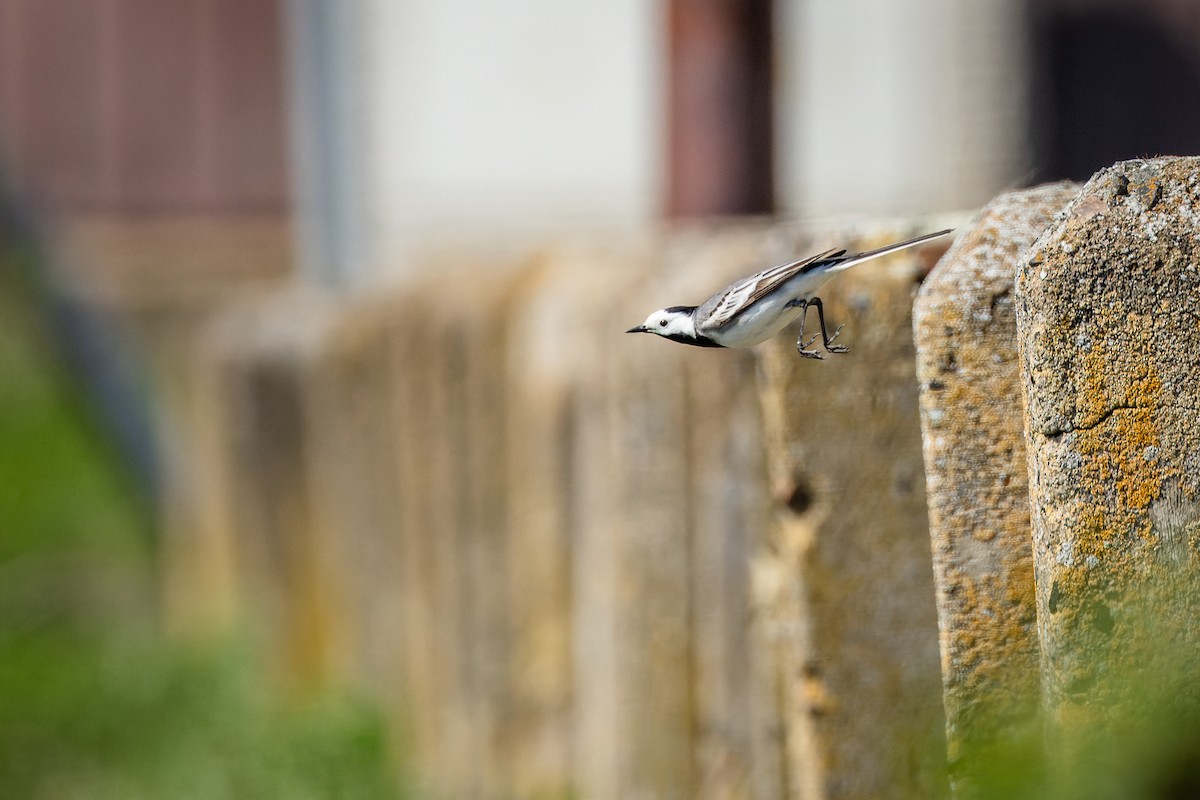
column 756, row 325
column 769, row 316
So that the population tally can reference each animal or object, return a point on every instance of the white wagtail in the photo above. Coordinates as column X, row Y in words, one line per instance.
column 756, row 308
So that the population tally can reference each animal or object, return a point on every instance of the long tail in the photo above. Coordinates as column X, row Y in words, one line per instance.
column 857, row 258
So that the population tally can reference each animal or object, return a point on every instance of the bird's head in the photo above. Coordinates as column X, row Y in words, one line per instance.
column 675, row 322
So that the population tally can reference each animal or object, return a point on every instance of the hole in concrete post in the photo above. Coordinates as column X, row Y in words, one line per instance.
column 949, row 362
column 800, row 499
column 1102, row 618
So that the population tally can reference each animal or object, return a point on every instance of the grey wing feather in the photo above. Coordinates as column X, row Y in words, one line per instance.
column 731, row 301
column 725, row 305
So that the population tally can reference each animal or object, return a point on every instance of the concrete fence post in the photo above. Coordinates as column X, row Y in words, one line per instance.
column 559, row 533
column 977, row 489
column 458, row 540
column 1108, row 321
column 668, row 698
column 263, row 364
column 853, row 613
column 737, row 749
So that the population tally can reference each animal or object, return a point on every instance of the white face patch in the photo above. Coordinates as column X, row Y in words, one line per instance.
column 669, row 323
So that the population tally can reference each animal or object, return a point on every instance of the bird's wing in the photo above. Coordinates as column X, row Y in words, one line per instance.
column 736, row 298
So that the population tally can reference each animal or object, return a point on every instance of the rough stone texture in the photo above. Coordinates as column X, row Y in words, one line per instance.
column 1109, row 341
column 736, row 716
column 342, row 352
column 669, row 698
column 430, row 606
column 351, row 420
column 557, row 336
column 848, row 572
column 976, row 475
column 647, row 404
column 455, row 470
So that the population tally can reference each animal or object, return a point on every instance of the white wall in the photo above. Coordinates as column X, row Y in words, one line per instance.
column 890, row 107
column 510, row 116
column 485, row 120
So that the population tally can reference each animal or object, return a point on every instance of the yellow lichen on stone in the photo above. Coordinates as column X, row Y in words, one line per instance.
column 1119, row 433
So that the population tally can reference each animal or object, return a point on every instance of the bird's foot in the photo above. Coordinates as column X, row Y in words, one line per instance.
column 802, row 347
column 836, row 348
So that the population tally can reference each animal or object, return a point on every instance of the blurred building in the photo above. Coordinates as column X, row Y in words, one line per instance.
column 187, row 151
column 151, row 138
column 392, row 125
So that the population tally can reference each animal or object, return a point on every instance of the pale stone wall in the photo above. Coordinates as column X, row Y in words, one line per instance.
column 575, row 561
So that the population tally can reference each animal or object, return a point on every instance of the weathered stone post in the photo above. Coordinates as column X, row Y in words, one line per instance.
column 1108, row 320
column 353, row 419
column 262, row 362
column 976, row 478
column 559, row 539
column 737, row 749
column 853, row 610
column 670, row 484
column 456, row 471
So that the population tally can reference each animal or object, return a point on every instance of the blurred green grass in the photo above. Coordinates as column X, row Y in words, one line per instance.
column 94, row 703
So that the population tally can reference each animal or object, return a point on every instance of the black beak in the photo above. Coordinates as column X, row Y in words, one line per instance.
column 639, row 329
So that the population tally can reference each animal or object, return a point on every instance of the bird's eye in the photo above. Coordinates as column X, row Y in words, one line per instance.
column 662, row 323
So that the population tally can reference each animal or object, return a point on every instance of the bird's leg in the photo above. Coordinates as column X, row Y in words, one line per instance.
column 826, row 339
column 801, row 345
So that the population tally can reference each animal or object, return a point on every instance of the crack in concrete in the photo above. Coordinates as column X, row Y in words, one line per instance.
column 1056, row 432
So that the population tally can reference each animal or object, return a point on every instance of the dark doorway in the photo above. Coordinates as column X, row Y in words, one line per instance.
column 1110, row 84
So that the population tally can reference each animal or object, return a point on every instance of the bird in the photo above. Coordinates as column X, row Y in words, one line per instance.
column 751, row 310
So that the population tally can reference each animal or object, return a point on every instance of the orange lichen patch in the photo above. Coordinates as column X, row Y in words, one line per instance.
column 1114, row 457
column 992, row 623
column 1118, row 433
column 1095, row 529
column 1018, row 592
